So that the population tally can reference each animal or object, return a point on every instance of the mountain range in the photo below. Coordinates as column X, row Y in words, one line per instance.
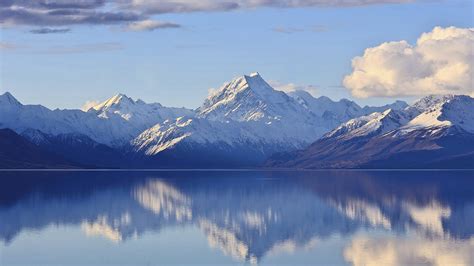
column 245, row 123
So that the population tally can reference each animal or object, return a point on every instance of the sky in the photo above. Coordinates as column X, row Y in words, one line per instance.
column 174, row 52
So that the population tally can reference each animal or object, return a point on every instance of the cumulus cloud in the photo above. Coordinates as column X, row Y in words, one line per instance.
column 50, row 30
column 150, row 25
column 100, row 12
column 89, row 104
column 289, row 87
column 441, row 62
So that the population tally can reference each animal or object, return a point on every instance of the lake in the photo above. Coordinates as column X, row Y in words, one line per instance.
column 237, row 217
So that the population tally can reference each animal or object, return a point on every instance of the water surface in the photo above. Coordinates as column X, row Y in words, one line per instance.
column 291, row 218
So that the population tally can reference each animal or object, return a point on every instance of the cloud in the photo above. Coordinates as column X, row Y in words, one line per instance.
column 50, row 30
column 441, row 62
column 105, row 12
column 89, row 104
column 183, row 6
column 150, row 25
column 289, row 87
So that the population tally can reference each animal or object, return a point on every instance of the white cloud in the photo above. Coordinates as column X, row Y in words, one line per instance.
column 150, row 25
column 89, row 104
column 441, row 62
column 289, row 87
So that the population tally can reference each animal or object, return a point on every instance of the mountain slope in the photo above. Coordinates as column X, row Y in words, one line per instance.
column 341, row 111
column 139, row 114
column 250, row 98
column 246, row 120
column 434, row 130
column 79, row 149
column 114, row 123
column 17, row 152
column 202, row 143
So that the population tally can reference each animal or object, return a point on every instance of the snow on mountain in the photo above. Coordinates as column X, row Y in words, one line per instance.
column 115, row 123
column 250, row 98
column 443, row 112
column 326, row 108
column 138, row 113
column 247, row 116
column 244, row 114
column 436, row 131
column 198, row 142
column 21, row 117
column 428, row 112
column 206, row 132
column 375, row 123
column 340, row 111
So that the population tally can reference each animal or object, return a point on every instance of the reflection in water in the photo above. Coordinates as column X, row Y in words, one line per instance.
column 409, row 251
column 381, row 218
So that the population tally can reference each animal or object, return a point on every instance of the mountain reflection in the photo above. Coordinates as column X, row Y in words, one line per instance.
column 426, row 216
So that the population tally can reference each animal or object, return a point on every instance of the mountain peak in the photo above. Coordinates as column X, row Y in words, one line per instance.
column 254, row 74
column 115, row 100
column 8, row 99
column 432, row 101
column 245, row 98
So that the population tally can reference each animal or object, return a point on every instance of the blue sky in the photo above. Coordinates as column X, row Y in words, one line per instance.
column 310, row 46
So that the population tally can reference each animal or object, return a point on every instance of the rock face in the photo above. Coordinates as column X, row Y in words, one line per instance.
column 435, row 132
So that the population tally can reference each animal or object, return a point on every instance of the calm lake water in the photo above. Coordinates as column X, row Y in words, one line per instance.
column 266, row 218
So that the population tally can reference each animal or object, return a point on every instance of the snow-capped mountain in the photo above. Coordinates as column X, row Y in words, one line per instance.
column 198, row 142
column 340, row 111
column 242, row 124
column 19, row 117
column 245, row 120
column 250, row 98
column 442, row 112
column 433, row 131
column 139, row 114
column 114, row 122
column 369, row 125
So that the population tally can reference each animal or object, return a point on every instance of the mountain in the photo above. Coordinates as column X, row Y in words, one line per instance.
column 114, row 122
column 137, row 113
column 397, row 105
column 340, row 111
column 250, row 98
column 18, row 152
column 241, row 124
column 202, row 143
column 433, row 132
column 78, row 148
